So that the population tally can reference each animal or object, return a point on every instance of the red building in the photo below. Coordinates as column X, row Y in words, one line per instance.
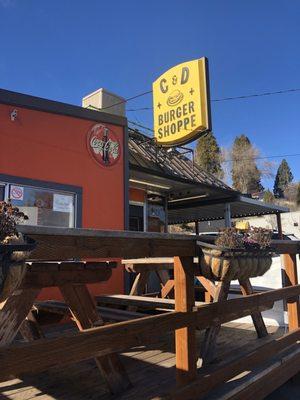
column 70, row 166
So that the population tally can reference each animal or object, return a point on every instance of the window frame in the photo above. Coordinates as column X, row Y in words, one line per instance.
column 76, row 191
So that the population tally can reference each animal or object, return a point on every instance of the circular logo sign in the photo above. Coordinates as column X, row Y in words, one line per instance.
column 103, row 145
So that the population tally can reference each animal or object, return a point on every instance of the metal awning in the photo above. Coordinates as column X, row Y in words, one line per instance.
column 240, row 207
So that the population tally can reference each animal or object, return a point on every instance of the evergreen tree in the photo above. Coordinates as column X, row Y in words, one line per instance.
column 283, row 178
column 269, row 196
column 208, row 155
column 246, row 176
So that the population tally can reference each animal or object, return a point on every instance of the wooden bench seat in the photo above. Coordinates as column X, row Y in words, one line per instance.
column 61, row 308
column 139, row 301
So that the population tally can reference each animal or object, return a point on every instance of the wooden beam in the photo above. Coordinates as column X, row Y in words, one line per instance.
column 85, row 314
column 207, row 381
column 59, row 308
column 51, row 278
column 30, row 329
column 291, row 279
column 13, row 312
column 67, row 243
column 210, row 339
column 137, row 268
column 168, row 289
column 257, row 318
column 139, row 284
column 214, row 314
column 46, row 353
column 208, row 285
column 139, row 301
column 269, row 379
column 286, row 246
column 185, row 340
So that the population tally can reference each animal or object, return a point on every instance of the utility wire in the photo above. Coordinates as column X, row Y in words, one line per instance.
column 235, row 98
column 141, row 126
column 213, row 100
column 263, row 158
column 222, row 99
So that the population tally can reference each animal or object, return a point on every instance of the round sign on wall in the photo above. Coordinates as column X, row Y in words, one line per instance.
column 103, row 145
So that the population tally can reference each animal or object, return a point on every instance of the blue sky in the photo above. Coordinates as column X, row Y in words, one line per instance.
column 63, row 50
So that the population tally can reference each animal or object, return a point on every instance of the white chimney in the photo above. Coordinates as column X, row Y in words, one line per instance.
column 106, row 101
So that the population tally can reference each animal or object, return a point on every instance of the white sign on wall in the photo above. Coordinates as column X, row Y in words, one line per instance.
column 62, row 203
column 16, row 192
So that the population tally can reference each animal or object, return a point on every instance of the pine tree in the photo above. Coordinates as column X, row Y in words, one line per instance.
column 208, row 155
column 269, row 196
column 246, row 176
column 283, row 178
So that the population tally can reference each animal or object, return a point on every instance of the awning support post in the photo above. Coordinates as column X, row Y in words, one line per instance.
column 197, row 227
column 227, row 215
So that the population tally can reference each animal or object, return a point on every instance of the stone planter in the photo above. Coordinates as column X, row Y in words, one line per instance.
column 221, row 264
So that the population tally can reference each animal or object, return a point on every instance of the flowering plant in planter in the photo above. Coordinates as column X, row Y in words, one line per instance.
column 9, row 217
column 250, row 239
column 237, row 254
column 14, row 249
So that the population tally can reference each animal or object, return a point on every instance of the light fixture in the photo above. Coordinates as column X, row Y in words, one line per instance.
column 149, row 184
column 13, row 115
column 200, row 196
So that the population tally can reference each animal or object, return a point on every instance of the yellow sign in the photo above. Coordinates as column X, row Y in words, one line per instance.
column 181, row 103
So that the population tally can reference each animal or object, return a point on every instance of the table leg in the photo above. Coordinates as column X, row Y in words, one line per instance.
column 168, row 289
column 139, row 285
column 257, row 318
column 209, row 286
column 30, row 329
column 210, row 339
column 86, row 316
column 13, row 312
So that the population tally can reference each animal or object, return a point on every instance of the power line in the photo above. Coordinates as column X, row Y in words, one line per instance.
column 223, row 99
column 258, row 95
column 235, row 98
column 263, row 158
column 141, row 126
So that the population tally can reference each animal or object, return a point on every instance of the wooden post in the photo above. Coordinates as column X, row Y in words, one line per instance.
column 185, row 337
column 227, row 215
column 280, row 236
column 166, row 215
column 279, row 226
column 197, row 228
column 291, row 279
column 210, row 339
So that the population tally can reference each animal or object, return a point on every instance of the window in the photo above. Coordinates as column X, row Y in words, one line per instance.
column 136, row 217
column 45, row 207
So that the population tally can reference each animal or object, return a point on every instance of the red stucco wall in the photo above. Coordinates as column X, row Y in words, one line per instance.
column 50, row 147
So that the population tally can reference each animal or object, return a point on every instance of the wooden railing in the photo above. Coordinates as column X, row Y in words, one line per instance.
column 56, row 244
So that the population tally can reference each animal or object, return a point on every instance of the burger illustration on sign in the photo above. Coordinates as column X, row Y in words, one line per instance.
column 103, row 145
column 175, row 98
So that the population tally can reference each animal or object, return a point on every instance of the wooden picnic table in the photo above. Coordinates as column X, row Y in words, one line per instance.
column 71, row 275
column 214, row 291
